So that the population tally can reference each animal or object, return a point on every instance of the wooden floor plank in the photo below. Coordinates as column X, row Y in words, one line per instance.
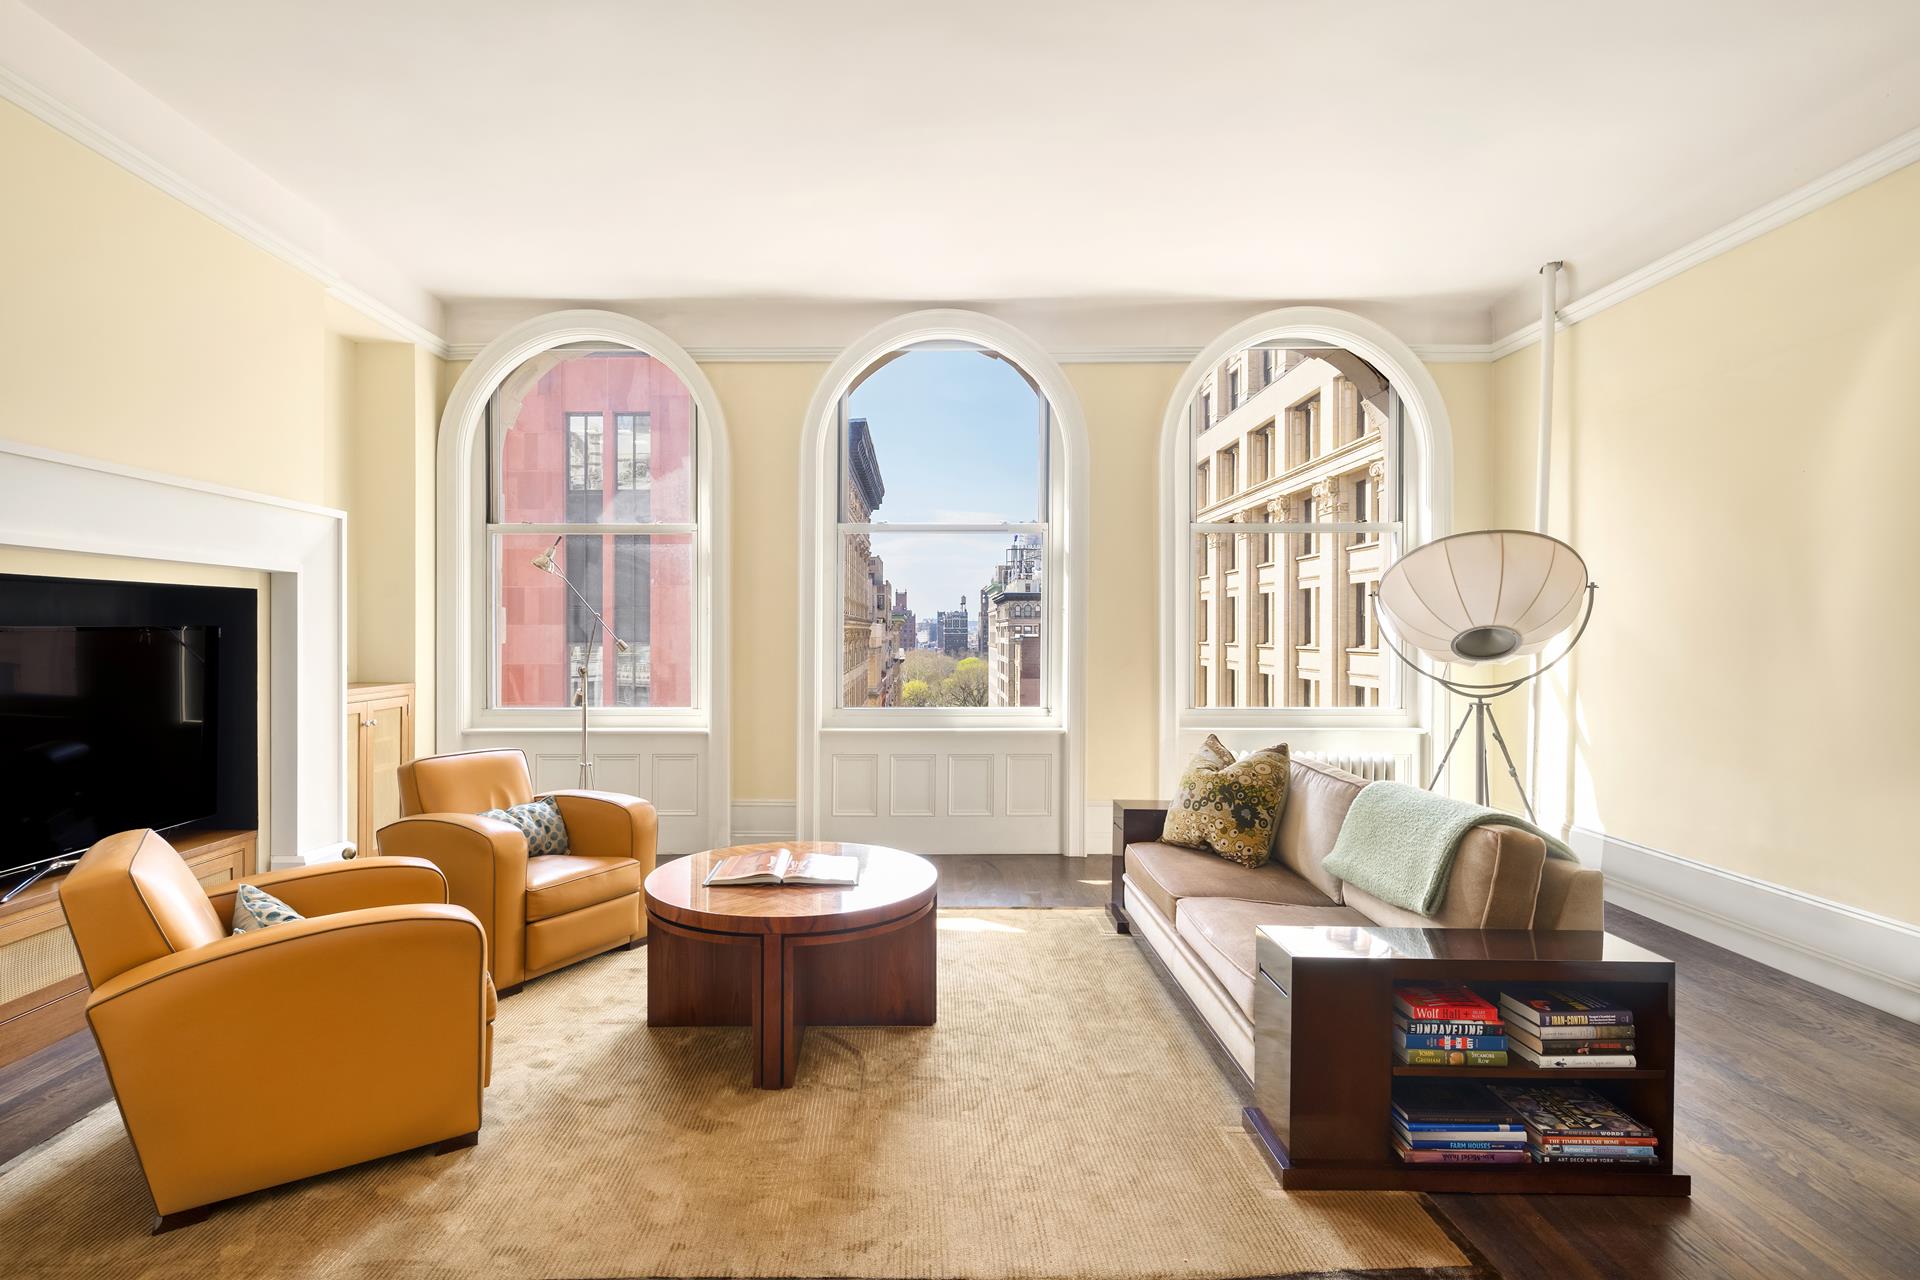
column 1799, row 1119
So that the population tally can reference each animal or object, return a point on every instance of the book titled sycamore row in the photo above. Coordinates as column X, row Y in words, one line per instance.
column 1562, row 1029
column 1447, row 1026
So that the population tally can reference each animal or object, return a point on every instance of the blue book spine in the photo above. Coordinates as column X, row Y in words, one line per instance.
column 1399, row 1118
column 1412, row 1040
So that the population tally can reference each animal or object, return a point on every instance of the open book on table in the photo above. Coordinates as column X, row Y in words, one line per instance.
column 784, row 866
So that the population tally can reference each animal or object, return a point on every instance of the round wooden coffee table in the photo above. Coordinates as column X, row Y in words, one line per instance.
column 781, row 958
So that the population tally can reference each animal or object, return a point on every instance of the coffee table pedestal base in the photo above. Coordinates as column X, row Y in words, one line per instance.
column 781, row 983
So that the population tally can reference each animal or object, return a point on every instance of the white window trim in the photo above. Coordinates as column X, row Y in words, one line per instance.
column 465, row 625
column 1066, row 550
column 1427, row 503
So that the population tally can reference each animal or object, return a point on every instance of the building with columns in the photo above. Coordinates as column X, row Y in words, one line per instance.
column 1010, row 626
column 1284, row 435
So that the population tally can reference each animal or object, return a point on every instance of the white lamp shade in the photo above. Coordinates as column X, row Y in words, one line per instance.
column 1484, row 597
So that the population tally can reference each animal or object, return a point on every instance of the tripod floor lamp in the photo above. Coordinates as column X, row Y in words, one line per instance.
column 544, row 563
column 1479, row 598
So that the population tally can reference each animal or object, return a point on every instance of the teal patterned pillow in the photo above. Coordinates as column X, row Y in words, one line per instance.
column 255, row 908
column 539, row 821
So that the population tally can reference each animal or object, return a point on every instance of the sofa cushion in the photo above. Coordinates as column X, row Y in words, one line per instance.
column 539, row 821
column 1494, row 884
column 1317, row 799
column 563, row 882
column 1220, row 930
column 1167, row 873
column 1229, row 806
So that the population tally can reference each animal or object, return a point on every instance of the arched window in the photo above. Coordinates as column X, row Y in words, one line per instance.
column 582, row 461
column 592, row 460
column 1304, row 451
column 943, row 480
column 943, row 521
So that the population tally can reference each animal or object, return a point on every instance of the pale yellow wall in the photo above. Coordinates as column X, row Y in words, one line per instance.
column 73, row 564
column 1125, row 406
column 136, row 330
column 765, row 405
column 393, row 421
column 1735, row 456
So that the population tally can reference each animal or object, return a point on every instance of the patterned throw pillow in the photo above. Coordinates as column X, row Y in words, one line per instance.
column 539, row 821
column 255, row 908
column 1230, row 806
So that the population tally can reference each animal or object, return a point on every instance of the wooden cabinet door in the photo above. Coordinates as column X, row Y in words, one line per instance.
column 386, row 744
column 356, row 781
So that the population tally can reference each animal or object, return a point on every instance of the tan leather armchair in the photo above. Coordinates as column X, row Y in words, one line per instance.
column 359, row 1032
column 542, row 913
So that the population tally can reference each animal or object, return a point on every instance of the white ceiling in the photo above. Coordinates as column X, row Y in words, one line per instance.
column 1404, row 152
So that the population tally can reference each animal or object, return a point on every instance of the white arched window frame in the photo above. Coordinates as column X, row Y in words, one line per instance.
column 464, row 717
column 1065, row 568
column 1424, row 468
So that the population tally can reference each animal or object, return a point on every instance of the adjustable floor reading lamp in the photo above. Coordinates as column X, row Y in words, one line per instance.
column 544, row 563
column 1485, row 597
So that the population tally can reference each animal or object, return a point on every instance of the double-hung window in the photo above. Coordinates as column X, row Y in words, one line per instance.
column 945, row 500
column 588, row 575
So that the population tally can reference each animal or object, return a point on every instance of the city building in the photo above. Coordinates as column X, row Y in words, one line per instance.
column 869, row 667
column 1010, row 626
column 952, row 633
column 1283, row 435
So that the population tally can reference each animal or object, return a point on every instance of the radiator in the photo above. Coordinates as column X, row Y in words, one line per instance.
column 1374, row 768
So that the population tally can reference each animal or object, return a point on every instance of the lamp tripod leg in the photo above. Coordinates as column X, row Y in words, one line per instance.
column 1448, row 753
column 1512, row 772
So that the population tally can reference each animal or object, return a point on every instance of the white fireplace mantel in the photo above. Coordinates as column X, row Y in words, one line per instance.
column 63, row 502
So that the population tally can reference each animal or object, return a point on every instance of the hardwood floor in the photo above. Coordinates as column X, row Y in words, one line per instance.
column 1799, row 1119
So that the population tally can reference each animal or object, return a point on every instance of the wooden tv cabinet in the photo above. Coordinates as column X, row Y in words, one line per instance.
column 1324, row 1069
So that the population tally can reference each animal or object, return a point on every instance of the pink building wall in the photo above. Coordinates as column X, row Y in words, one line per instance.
column 533, row 481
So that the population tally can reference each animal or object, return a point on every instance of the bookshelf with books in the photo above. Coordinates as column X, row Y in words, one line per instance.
column 1565, row 1039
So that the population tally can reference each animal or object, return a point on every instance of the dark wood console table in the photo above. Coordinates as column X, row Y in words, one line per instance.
column 1324, row 1066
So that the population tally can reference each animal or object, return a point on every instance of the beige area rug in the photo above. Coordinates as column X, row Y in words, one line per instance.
column 1063, row 1119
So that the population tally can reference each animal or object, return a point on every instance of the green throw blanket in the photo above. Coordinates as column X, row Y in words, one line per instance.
column 1398, row 842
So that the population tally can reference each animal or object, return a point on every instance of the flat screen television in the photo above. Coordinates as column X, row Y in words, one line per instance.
column 104, row 729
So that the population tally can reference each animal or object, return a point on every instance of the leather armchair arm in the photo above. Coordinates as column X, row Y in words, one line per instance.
column 605, row 824
column 485, row 862
column 329, row 887
column 351, row 1035
column 1570, row 897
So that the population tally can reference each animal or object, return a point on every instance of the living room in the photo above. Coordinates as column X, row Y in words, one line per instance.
column 1215, row 641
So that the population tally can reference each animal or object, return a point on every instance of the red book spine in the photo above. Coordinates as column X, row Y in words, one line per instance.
column 1453, row 1012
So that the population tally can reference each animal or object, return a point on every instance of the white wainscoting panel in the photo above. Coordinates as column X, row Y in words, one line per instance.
column 970, row 786
column 668, row 769
column 1869, row 957
column 947, row 790
column 1029, row 784
column 913, row 788
column 676, row 785
column 855, row 780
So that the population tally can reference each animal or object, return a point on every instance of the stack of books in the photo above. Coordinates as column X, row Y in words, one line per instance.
column 1446, row 1026
column 1558, row 1028
column 1567, row 1124
column 1457, row 1124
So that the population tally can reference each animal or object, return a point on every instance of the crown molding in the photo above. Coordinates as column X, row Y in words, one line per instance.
column 1821, row 192
column 46, row 73
column 1440, row 353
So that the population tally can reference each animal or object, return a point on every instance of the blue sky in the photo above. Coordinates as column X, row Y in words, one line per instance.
column 958, row 437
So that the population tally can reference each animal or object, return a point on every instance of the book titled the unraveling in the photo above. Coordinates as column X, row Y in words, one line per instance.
column 783, row 866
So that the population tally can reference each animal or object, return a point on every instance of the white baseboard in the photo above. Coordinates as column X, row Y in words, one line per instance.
column 759, row 821
column 1096, row 835
column 1870, row 958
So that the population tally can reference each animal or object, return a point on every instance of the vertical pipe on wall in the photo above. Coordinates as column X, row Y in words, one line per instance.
column 1543, row 487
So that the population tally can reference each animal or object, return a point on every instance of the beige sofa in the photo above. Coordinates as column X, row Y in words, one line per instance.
column 1199, row 911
